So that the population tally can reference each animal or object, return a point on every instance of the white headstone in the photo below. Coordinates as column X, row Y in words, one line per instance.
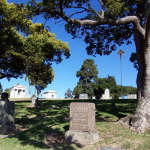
column 106, row 94
column 83, row 96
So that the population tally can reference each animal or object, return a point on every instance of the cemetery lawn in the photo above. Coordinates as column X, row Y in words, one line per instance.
column 51, row 119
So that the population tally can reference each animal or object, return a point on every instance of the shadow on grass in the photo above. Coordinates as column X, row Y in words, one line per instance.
column 114, row 108
column 45, row 126
column 48, row 138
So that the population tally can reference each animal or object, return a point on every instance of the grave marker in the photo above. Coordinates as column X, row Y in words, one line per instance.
column 82, row 117
column 82, row 129
column 83, row 96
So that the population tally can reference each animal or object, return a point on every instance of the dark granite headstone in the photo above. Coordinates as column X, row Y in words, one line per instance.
column 4, row 96
column 7, row 108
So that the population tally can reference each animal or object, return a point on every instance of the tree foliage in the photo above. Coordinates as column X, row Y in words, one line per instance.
column 27, row 48
column 104, row 27
column 115, row 90
column 87, row 74
column 128, row 90
column 102, row 83
column 97, row 25
column 134, row 60
column 7, row 90
column 68, row 93
column 1, row 89
column 98, row 86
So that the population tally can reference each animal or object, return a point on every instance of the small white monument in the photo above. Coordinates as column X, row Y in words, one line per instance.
column 106, row 94
column 50, row 94
column 18, row 91
column 132, row 96
column 83, row 96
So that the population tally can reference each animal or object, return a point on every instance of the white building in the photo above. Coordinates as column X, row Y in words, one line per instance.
column 18, row 91
column 49, row 94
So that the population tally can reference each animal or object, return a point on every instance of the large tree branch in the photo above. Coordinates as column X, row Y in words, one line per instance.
column 2, row 75
column 61, row 6
column 75, row 13
column 101, row 15
column 100, row 21
column 35, row 3
column 125, row 20
column 101, row 3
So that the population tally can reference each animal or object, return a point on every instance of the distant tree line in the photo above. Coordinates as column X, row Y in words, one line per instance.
column 90, row 83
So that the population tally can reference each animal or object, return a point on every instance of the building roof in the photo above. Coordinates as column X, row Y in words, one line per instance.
column 50, row 91
column 18, row 86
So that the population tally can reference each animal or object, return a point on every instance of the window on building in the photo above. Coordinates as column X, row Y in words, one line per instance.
column 19, row 91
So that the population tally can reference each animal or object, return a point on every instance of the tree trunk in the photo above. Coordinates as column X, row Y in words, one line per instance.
column 140, row 120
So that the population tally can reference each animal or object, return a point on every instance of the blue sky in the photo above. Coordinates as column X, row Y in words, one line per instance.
column 65, row 72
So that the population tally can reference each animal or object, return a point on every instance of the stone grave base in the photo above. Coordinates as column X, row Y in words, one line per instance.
column 109, row 148
column 7, row 131
column 4, row 136
column 81, row 138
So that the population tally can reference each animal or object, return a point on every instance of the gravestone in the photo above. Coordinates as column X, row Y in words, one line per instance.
column 83, row 96
column 7, row 108
column 110, row 148
column 34, row 101
column 106, row 94
column 82, row 129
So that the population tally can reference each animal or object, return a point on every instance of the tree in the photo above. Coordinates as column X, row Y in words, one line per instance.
column 27, row 48
column 77, row 90
column 68, row 93
column 1, row 89
column 109, row 82
column 104, row 28
column 40, row 76
column 114, row 88
column 129, row 90
column 29, row 83
column 134, row 60
column 7, row 90
column 120, row 53
column 87, row 74
column 97, row 90
column 102, row 83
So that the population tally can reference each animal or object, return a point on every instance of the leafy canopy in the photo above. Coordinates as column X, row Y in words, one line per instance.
column 1, row 89
column 27, row 48
column 87, row 74
column 98, row 22
column 68, row 93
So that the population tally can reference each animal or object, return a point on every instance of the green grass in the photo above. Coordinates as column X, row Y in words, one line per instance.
column 52, row 117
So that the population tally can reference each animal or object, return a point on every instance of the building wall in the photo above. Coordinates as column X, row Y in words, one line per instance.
column 49, row 95
column 132, row 96
column 18, row 91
